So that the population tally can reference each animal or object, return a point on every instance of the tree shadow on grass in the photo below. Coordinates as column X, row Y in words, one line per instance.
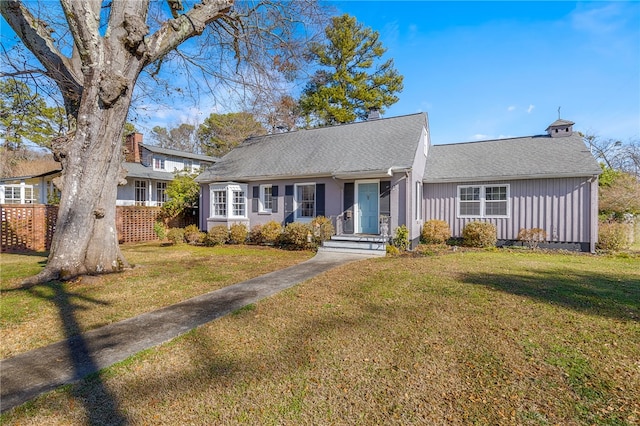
column 598, row 294
column 100, row 406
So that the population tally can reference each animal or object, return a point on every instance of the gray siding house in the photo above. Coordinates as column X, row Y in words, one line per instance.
column 548, row 182
column 371, row 177
column 361, row 175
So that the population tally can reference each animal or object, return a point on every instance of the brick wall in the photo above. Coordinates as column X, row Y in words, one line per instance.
column 30, row 227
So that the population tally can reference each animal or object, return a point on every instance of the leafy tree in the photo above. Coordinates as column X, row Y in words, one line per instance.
column 220, row 133
column 183, row 193
column 345, row 88
column 25, row 116
column 182, row 138
column 95, row 56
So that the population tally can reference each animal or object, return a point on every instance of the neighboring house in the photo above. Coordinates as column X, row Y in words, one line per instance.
column 371, row 177
column 548, row 182
column 149, row 170
column 37, row 188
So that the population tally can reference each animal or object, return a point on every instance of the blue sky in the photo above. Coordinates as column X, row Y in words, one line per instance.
column 486, row 70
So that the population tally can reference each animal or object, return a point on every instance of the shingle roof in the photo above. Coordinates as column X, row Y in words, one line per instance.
column 365, row 147
column 137, row 170
column 560, row 122
column 176, row 153
column 516, row 158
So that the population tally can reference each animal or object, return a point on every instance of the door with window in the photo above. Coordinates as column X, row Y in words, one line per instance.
column 368, row 206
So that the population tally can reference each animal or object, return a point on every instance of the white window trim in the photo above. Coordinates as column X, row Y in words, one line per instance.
column 164, row 163
column 296, row 204
column 229, row 188
column 418, row 200
column 261, row 205
column 483, row 201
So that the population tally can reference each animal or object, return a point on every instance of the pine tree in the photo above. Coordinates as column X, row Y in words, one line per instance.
column 346, row 87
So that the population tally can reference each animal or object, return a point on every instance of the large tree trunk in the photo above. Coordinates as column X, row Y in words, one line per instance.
column 86, row 240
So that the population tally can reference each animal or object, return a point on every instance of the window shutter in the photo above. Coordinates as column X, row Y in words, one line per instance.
column 320, row 199
column 274, row 195
column 254, row 200
column 288, row 204
column 349, row 192
column 385, row 197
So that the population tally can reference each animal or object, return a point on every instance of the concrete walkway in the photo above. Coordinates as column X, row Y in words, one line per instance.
column 30, row 374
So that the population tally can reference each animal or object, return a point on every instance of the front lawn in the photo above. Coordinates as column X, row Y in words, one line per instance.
column 468, row 337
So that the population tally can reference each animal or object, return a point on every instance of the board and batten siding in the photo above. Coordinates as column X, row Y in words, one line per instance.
column 559, row 206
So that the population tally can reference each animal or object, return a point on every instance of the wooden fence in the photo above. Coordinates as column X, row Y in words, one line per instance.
column 30, row 227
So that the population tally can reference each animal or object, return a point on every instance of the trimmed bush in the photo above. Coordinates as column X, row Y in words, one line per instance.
column 295, row 236
column 435, row 232
column 175, row 235
column 217, row 235
column 193, row 235
column 269, row 233
column 401, row 239
column 613, row 236
column 238, row 233
column 532, row 237
column 322, row 228
column 479, row 234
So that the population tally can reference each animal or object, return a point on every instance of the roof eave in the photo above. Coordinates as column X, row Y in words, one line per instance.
column 512, row 177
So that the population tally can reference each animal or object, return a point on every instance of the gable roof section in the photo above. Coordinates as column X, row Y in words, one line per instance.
column 517, row 158
column 176, row 153
column 369, row 147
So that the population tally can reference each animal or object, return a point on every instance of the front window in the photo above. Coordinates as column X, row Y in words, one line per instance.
column 158, row 163
column 418, row 200
column 188, row 165
column 141, row 192
column 220, row 203
column 266, row 198
column 229, row 201
column 305, row 201
column 483, row 201
column 238, row 204
column 161, row 193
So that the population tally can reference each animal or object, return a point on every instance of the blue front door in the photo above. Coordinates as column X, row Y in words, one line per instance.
column 368, row 204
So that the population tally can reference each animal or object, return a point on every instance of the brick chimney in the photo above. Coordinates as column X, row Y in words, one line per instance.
column 132, row 148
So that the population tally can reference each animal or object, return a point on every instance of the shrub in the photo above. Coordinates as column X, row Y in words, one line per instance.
column 217, row 235
column 269, row 233
column 160, row 230
column 175, row 235
column 401, row 238
column 479, row 234
column 613, row 236
column 532, row 237
column 435, row 232
column 322, row 228
column 295, row 236
column 193, row 235
column 238, row 233
column 392, row 250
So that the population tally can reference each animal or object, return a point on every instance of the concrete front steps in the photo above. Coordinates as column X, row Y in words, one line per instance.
column 356, row 244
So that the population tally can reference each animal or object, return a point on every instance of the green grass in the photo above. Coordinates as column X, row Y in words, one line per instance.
column 471, row 337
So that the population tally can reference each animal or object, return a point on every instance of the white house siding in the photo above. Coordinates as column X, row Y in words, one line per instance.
column 559, row 206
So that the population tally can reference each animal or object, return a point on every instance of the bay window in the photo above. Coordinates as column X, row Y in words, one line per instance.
column 228, row 200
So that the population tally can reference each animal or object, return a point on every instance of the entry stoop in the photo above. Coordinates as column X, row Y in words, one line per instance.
column 357, row 244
